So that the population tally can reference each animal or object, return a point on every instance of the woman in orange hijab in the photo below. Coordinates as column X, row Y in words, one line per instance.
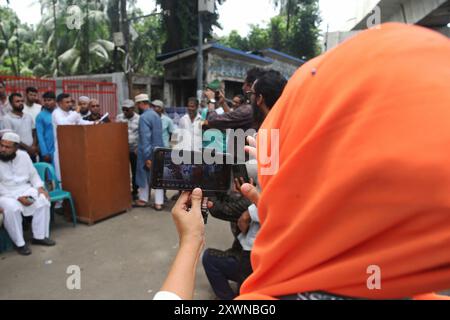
column 362, row 192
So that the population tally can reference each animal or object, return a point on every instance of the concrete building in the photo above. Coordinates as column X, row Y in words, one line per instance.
column 433, row 14
column 220, row 63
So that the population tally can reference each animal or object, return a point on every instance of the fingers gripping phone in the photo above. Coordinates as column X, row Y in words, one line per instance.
column 240, row 172
column 169, row 174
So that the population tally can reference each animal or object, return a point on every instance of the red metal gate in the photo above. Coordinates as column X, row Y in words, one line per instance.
column 104, row 92
column 20, row 84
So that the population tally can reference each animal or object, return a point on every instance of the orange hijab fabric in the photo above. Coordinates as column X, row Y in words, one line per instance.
column 364, row 176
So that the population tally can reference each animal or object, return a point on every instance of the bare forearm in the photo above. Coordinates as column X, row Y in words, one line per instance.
column 225, row 106
column 181, row 278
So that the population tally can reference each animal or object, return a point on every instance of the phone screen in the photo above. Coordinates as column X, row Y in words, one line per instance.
column 171, row 176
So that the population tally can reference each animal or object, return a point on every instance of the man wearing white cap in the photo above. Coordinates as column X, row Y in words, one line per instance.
column 168, row 127
column 150, row 137
column 83, row 106
column 22, row 193
column 130, row 117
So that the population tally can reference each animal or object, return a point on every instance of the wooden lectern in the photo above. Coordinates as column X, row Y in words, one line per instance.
column 95, row 168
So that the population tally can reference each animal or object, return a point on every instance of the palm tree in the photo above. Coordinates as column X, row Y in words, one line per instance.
column 77, row 50
column 10, row 32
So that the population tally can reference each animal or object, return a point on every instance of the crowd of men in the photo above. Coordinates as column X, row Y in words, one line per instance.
column 30, row 135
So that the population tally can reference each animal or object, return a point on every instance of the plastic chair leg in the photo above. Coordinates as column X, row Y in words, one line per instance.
column 52, row 212
column 74, row 213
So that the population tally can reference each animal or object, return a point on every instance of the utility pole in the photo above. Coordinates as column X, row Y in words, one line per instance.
column 122, row 38
column 204, row 7
column 84, row 40
column 18, row 45
column 200, row 58
column 87, row 34
column 55, row 38
column 114, row 13
column 125, row 26
column 326, row 37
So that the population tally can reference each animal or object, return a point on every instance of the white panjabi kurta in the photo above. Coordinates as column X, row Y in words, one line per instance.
column 64, row 118
column 190, row 134
column 19, row 178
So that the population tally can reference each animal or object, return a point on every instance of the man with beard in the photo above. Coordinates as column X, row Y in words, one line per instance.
column 44, row 128
column 31, row 106
column 22, row 124
column 241, row 118
column 22, row 193
column 265, row 92
column 83, row 106
column 234, row 264
column 150, row 137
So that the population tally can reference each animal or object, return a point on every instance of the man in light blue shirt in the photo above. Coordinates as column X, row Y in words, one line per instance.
column 44, row 128
column 167, row 124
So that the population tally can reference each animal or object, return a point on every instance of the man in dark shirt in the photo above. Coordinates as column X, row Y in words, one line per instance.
column 95, row 115
column 242, row 117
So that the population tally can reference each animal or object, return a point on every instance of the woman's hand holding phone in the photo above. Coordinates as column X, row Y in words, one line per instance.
column 188, row 217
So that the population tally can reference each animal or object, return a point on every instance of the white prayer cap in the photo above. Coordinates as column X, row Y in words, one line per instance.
column 84, row 99
column 158, row 103
column 2, row 132
column 128, row 104
column 142, row 98
column 11, row 136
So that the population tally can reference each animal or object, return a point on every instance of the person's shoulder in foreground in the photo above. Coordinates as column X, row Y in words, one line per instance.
column 386, row 102
column 365, row 166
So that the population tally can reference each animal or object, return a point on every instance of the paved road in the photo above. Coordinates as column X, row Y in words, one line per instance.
column 125, row 257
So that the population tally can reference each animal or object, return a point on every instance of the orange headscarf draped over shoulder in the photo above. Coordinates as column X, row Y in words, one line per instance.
column 363, row 188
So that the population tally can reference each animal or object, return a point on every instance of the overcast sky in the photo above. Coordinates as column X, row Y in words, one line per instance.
column 234, row 14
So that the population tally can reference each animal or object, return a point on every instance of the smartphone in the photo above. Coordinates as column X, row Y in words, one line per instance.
column 31, row 199
column 240, row 171
column 193, row 173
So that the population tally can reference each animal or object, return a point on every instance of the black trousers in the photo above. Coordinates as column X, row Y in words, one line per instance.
column 133, row 163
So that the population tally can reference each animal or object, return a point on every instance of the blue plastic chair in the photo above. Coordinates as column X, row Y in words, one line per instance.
column 5, row 241
column 47, row 173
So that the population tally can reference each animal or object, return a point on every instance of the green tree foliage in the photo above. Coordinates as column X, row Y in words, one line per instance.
column 294, row 31
column 18, row 47
column 52, row 48
column 304, row 32
column 181, row 23
column 77, row 50
column 148, row 45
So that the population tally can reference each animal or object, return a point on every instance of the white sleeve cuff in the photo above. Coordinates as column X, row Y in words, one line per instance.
column 166, row 296
column 253, row 211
